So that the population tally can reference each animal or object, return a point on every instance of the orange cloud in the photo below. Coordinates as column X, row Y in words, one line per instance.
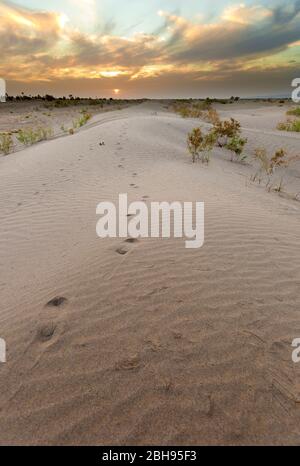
column 43, row 46
column 242, row 14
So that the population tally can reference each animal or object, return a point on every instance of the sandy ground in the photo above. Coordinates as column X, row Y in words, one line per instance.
column 15, row 116
column 162, row 345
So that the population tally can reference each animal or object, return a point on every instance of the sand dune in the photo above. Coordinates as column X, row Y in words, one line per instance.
column 160, row 345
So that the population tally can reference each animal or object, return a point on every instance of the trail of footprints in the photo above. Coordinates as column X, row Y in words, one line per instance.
column 127, row 245
column 48, row 330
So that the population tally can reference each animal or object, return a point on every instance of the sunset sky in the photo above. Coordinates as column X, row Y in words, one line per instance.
column 159, row 48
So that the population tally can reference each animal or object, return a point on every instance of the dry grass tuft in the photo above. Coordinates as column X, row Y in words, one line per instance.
column 6, row 143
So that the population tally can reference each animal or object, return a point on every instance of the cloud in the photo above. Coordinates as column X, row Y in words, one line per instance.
column 242, row 14
column 85, row 12
column 242, row 31
column 25, row 31
column 45, row 46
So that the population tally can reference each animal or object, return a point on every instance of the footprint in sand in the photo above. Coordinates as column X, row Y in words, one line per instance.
column 46, row 331
column 122, row 250
column 57, row 301
column 131, row 240
column 129, row 364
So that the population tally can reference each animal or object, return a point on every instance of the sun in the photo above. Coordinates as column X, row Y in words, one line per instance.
column 116, row 91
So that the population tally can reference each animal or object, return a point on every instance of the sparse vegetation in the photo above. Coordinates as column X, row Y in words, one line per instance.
column 82, row 120
column 294, row 111
column 212, row 116
column 226, row 129
column 191, row 109
column 194, row 142
column 269, row 166
column 225, row 133
column 236, row 145
column 31, row 136
column 200, row 145
column 6, row 143
column 289, row 125
column 208, row 145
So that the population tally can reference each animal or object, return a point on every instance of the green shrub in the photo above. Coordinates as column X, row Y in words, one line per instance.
column 201, row 145
column 289, row 125
column 192, row 109
column 82, row 120
column 236, row 145
column 228, row 128
column 269, row 166
column 194, row 141
column 6, row 143
column 294, row 111
column 31, row 136
column 212, row 116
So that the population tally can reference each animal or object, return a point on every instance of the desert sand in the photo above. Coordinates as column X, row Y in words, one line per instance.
column 161, row 345
column 59, row 120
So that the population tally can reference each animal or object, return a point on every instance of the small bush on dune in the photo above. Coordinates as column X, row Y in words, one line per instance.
column 260, row 154
column 226, row 129
column 212, row 116
column 192, row 109
column 294, row 111
column 236, row 145
column 44, row 133
column 200, row 145
column 82, row 120
column 6, row 143
column 31, row 136
column 278, row 160
column 226, row 133
column 26, row 137
column 296, row 126
column 194, row 141
column 269, row 166
column 183, row 111
column 208, row 145
column 289, row 125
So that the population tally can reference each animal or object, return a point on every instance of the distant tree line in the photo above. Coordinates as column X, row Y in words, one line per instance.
column 66, row 101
